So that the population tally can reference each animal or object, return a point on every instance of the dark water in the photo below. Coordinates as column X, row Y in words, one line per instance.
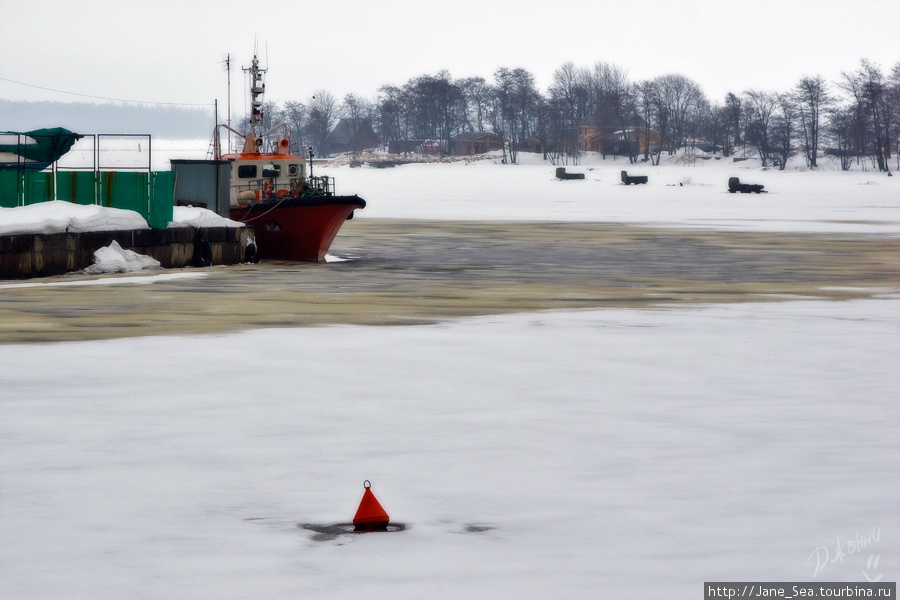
column 406, row 272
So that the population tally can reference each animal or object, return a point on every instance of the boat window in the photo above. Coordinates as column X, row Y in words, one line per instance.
column 295, row 170
column 246, row 171
column 271, row 170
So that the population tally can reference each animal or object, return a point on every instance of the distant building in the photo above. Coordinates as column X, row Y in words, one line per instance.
column 347, row 137
column 475, row 143
column 596, row 137
column 405, row 146
column 535, row 144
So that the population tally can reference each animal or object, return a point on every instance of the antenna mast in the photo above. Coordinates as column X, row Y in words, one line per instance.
column 257, row 89
column 228, row 120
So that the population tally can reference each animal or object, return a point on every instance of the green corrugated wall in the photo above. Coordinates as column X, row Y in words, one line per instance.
column 9, row 189
column 149, row 194
column 76, row 186
column 122, row 189
column 38, row 187
column 162, row 199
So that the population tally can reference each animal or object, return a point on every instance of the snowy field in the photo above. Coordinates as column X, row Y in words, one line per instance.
column 677, row 195
column 584, row 454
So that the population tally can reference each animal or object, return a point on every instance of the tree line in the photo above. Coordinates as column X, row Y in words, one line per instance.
column 855, row 119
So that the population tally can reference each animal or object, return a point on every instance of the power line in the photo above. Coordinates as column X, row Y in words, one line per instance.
column 100, row 97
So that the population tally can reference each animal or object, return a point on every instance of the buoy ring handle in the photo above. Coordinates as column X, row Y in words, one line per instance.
column 367, row 484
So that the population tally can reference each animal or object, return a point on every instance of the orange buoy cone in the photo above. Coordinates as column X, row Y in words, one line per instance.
column 370, row 516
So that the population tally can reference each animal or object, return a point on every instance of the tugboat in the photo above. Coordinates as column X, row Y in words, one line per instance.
column 294, row 215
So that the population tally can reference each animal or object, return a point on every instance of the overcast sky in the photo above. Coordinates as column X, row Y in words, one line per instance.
column 173, row 51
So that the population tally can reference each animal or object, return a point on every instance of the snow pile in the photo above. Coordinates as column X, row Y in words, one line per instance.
column 192, row 216
column 60, row 217
column 115, row 259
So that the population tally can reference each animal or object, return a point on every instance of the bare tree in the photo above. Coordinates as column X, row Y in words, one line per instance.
column 543, row 124
column 558, row 125
column 505, row 123
column 295, row 115
column 733, row 118
column 782, row 135
column 812, row 97
column 662, row 116
column 354, row 112
column 841, row 131
column 713, row 128
column 477, row 94
column 352, row 108
column 681, row 98
column 872, row 106
column 322, row 117
column 614, row 102
column 434, row 107
column 393, row 123
column 569, row 94
column 647, row 93
column 760, row 108
column 893, row 95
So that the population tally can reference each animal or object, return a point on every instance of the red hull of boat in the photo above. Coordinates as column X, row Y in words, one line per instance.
column 298, row 229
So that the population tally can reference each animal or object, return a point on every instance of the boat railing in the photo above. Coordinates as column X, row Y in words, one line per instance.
column 322, row 184
column 268, row 187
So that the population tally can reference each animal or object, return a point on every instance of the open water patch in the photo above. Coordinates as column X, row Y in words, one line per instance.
column 325, row 533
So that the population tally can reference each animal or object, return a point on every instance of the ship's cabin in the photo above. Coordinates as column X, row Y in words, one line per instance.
column 260, row 178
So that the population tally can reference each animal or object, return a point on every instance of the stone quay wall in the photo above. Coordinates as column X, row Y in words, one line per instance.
column 41, row 255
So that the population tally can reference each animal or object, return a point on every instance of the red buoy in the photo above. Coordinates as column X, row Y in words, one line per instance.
column 370, row 516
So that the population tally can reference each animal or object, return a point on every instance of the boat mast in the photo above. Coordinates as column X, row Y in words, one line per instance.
column 252, row 143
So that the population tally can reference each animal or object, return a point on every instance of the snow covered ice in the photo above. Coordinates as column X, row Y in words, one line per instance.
column 580, row 454
column 616, row 453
